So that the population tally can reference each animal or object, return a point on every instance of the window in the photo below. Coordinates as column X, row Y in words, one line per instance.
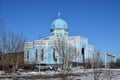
column 82, row 50
column 54, row 53
column 83, row 55
column 54, row 58
column 36, row 54
column 42, row 54
column 28, row 55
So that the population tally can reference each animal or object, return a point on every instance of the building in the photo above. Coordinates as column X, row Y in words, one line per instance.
column 59, row 47
column 13, row 59
column 102, row 59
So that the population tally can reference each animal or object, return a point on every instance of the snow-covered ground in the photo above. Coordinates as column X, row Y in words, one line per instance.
column 1, row 72
column 88, row 74
column 85, row 74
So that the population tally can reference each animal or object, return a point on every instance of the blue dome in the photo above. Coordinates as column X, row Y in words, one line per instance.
column 59, row 23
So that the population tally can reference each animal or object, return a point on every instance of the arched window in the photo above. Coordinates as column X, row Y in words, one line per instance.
column 54, row 53
column 42, row 54
column 83, row 55
column 28, row 55
column 36, row 54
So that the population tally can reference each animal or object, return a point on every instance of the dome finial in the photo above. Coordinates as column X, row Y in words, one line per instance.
column 59, row 14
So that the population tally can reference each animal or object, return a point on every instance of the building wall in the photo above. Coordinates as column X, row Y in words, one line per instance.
column 48, row 44
column 103, row 58
column 12, row 59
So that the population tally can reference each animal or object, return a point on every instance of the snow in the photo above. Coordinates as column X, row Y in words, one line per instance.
column 87, row 74
column 1, row 72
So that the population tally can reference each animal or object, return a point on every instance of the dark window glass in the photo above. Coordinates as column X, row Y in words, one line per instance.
column 83, row 55
column 54, row 53
column 42, row 54
column 36, row 54
column 28, row 55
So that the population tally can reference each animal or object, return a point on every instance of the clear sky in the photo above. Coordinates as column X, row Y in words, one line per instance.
column 98, row 20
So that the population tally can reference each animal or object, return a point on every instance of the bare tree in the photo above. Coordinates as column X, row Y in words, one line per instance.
column 97, row 60
column 64, row 48
column 1, row 44
column 98, row 72
column 1, row 32
column 97, row 64
column 116, row 64
column 88, row 63
column 11, row 43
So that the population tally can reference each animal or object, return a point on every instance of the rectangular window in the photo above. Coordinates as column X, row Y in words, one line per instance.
column 54, row 53
column 28, row 55
column 83, row 55
column 36, row 54
column 42, row 54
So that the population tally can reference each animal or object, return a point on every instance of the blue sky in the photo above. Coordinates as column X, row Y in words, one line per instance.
column 98, row 20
